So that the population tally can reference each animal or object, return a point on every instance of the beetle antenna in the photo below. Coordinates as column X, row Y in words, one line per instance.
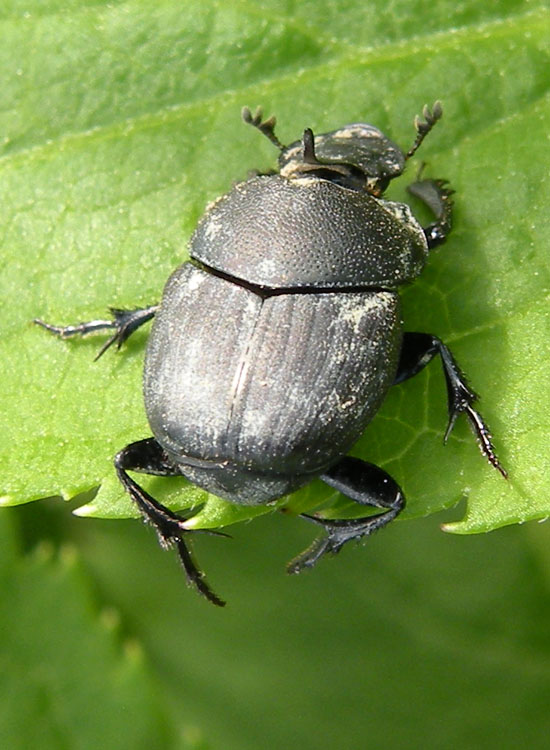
column 267, row 127
column 423, row 127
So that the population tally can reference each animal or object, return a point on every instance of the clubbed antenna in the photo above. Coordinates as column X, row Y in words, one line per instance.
column 423, row 127
column 267, row 127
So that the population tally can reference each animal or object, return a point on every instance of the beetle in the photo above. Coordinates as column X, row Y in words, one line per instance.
column 275, row 344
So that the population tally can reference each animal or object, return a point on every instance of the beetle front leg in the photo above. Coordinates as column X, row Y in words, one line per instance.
column 148, row 457
column 365, row 483
column 124, row 323
column 418, row 349
column 436, row 195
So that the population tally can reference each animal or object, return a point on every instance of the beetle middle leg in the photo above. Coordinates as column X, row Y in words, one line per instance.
column 418, row 349
column 124, row 323
column 365, row 483
column 148, row 457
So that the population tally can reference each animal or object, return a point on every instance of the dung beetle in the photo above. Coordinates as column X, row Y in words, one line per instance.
column 275, row 344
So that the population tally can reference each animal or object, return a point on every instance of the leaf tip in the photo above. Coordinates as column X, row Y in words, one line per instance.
column 448, row 528
column 86, row 511
column 193, row 522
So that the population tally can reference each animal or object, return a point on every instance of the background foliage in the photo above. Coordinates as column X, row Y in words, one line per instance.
column 120, row 121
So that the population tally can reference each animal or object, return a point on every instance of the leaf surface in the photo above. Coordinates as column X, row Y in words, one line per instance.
column 67, row 677
column 121, row 121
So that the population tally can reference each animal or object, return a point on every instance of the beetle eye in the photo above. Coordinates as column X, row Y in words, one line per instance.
column 377, row 186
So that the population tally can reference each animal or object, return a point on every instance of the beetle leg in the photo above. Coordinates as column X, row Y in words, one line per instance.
column 148, row 457
column 420, row 348
column 367, row 485
column 124, row 323
column 436, row 195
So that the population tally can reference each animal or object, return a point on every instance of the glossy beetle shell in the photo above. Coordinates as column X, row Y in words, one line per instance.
column 275, row 345
column 271, row 390
column 308, row 232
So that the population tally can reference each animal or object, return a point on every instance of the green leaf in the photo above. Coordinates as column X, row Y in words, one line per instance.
column 416, row 640
column 67, row 677
column 121, row 121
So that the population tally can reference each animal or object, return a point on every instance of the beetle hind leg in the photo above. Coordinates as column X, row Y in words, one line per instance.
column 365, row 483
column 148, row 457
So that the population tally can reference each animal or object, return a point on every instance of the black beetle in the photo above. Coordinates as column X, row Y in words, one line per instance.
column 276, row 343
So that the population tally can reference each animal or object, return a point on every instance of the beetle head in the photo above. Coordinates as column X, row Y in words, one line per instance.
column 357, row 156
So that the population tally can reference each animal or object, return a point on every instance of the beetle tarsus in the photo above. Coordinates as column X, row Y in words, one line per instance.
column 148, row 457
column 484, row 438
column 365, row 483
column 79, row 329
